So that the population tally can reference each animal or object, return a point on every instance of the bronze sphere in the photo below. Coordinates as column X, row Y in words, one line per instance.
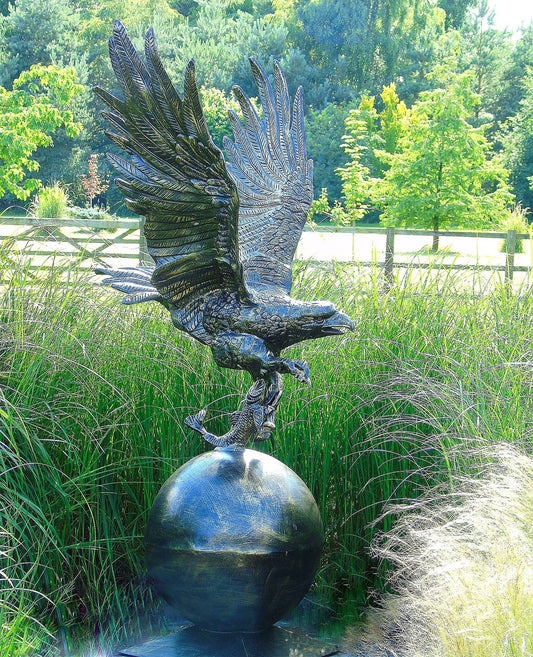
column 233, row 540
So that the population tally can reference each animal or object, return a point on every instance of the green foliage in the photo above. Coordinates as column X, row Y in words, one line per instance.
column 370, row 137
column 324, row 131
column 356, row 45
column 517, row 141
column 217, row 41
column 379, row 132
column 512, row 88
column 456, row 11
column 216, row 106
column 22, row 634
column 66, row 160
column 29, row 115
column 516, row 220
column 423, row 41
column 89, row 213
column 336, row 50
column 391, row 120
column 329, row 29
column 444, row 173
column 319, row 207
column 39, row 32
column 486, row 52
column 355, row 175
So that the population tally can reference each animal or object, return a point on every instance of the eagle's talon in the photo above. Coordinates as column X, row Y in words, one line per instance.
column 300, row 370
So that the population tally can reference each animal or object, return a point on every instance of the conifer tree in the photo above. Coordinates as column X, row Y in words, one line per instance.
column 517, row 142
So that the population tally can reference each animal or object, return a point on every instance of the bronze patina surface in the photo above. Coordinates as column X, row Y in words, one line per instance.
column 233, row 540
column 234, row 537
column 222, row 232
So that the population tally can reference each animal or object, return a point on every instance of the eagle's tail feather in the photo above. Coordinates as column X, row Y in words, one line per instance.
column 136, row 283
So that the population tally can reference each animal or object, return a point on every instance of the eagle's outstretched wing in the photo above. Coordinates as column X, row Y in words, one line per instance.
column 274, row 178
column 176, row 178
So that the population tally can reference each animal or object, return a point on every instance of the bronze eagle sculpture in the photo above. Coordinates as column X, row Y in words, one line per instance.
column 222, row 234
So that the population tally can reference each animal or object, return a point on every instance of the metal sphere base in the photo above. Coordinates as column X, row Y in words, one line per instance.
column 233, row 540
column 190, row 641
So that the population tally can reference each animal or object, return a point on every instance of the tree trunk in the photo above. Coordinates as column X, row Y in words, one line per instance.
column 435, row 245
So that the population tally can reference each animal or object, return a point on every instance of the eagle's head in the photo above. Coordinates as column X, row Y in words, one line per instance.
column 317, row 319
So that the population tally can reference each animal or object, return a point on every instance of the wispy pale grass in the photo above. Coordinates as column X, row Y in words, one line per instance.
column 463, row 566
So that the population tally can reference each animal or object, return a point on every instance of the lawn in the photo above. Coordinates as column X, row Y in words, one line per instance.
column 368, row 246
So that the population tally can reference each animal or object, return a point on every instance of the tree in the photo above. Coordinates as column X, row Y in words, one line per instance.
column 487, row 52
column 216, row 40
column 456, row 11
column 358, row 45
column 421, row 43
column 29, row 114
column 92, row 184
column 324, row 131
column 38, row 32
column 355, row 175
column 369, row 134
column 384, row 128
column 512, row 90
column 443, row 173
column 216, row 105
column 517, row 141
column 96, row 19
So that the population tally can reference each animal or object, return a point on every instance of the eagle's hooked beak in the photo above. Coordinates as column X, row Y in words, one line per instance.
column 338, row 324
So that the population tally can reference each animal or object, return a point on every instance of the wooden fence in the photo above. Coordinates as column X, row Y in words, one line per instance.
column 87, row 241
column 510, row 238
column 91, row 242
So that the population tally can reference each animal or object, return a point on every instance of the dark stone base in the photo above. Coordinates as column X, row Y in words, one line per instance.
column 192, row 642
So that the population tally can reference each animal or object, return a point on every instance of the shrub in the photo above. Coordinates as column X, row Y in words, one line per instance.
column 92, row 213
column 517, row 221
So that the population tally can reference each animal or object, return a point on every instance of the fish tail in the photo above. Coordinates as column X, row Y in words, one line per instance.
column 196, row 422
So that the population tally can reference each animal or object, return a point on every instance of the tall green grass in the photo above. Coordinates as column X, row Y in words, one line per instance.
column 93, row 396
column 50, row 202
column 430, row 366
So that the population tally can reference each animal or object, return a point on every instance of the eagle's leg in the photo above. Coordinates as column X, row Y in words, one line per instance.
column 257, row 418
column 298, row 368
column 274, row 391
column 248, row 352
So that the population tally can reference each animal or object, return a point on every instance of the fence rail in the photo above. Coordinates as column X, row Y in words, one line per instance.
column 93, row 241
column 88, row 241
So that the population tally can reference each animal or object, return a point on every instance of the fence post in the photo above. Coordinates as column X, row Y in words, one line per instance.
column 389, row 258
column 144, row 256
column 510, row 249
